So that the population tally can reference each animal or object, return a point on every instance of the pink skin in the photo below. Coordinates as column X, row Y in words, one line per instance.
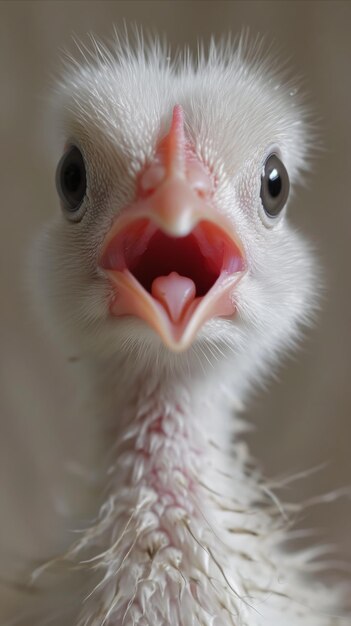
column 173, row 259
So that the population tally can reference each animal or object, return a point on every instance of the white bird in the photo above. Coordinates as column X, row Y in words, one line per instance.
column 172, row 270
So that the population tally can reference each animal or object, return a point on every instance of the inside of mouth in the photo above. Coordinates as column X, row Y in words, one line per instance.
column 149, row 253
column 182, row 255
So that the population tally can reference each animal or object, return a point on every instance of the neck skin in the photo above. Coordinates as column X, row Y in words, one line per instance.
column 187, row 532
column 171, row 481
column 200, row 398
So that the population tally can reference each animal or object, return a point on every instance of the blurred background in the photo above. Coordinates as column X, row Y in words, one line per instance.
column 303, row 419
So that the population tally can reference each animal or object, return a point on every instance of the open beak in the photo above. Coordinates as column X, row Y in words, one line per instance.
column 172, row 258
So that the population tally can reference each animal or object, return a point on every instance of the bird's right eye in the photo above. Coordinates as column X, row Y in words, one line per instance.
column 71, row 181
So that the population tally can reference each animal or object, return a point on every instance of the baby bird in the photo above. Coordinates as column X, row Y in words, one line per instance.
column 172, row 270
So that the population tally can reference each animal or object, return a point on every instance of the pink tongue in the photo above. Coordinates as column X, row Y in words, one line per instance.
column 175, row 293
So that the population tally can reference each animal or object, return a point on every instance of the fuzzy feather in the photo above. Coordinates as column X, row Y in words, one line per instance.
column 187, row 533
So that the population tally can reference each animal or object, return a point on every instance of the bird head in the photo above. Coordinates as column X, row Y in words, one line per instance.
column 174, row 181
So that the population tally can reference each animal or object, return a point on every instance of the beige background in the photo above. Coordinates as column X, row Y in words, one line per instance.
column 304, row 418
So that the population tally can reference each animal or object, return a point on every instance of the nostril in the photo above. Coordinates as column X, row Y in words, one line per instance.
column 201, row 191
column 148, row 192
column 151, row 178
column 199, row 180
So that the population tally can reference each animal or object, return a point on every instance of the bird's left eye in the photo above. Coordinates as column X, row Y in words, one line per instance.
column 71, row 181
column 274, row 186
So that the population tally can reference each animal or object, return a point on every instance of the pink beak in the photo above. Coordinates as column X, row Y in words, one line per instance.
column 172, row 258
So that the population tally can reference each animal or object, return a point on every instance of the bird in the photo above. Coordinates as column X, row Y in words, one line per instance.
column 171, row 268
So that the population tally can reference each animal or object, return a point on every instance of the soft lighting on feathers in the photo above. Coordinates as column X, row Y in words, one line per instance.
column 189, row 533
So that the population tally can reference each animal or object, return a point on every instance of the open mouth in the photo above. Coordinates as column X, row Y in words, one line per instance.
column 174, row 283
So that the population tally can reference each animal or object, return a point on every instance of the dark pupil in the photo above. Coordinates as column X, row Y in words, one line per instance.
column 72, row 178
column 274, row 183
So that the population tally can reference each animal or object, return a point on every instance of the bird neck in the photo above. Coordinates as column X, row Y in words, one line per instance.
column 176, row 414
column 159, row 523
column 167, row 436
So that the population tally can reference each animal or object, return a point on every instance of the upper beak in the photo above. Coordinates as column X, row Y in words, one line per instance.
column 172, row 258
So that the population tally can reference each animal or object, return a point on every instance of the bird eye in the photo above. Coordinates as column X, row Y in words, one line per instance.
column 274, row 186
column 71, row 181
